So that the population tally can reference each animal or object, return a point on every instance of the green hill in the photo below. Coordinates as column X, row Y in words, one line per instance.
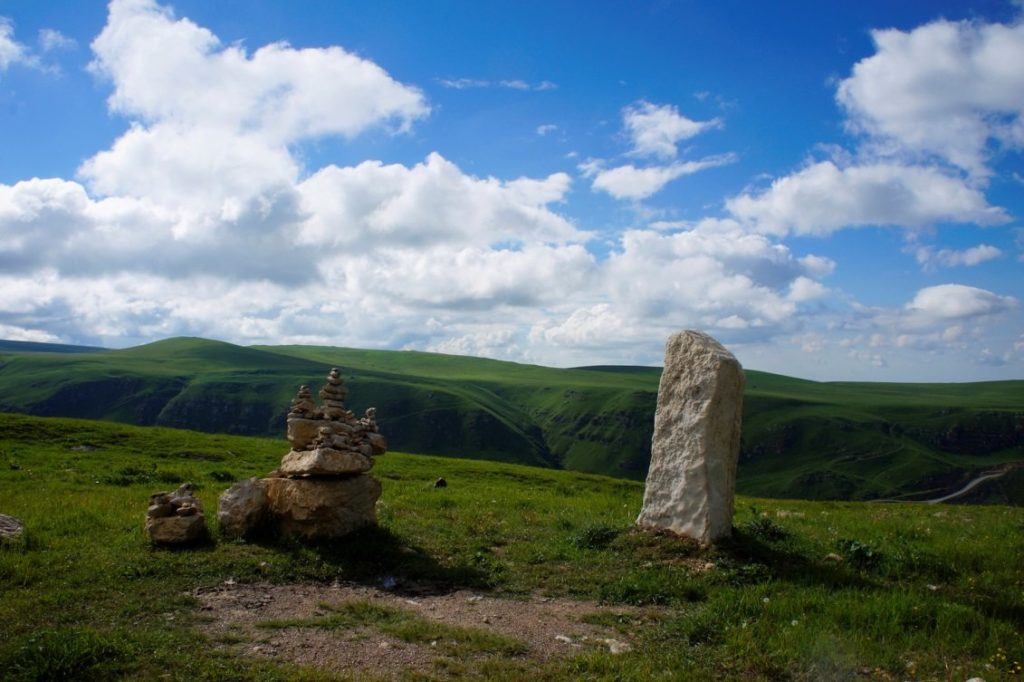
column 802, row 591
column 802, row 439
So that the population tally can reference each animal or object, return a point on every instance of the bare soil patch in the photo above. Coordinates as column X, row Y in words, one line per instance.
column 548, row 628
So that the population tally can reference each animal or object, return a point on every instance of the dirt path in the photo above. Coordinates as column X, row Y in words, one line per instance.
column 544, row 628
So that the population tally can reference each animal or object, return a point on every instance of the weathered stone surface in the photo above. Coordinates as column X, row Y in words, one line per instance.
column 324, row 462
column 695, row 449
column 10, row 527
column 176, row 530
column 322, row 508
column 175, row 518
column 242, row 508
column 302, row 431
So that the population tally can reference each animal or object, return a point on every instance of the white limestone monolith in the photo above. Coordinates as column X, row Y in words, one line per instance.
column 695, row 448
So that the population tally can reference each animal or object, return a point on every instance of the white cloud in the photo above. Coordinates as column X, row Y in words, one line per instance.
column 953, row 302
column 509, row 84
column 546, row 128
column 930, row 259
column 655, row 130
column 463, row 83
column 11, row 51
column 172, row 71
column 211, row 124
column 630, row 182
column 50, row 40
column 823, row 198
column 432, row 202
column 945, row 89
column 13, row 333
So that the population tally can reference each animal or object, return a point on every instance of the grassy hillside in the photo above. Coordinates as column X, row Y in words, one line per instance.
column 804, row 590
column 802, row 439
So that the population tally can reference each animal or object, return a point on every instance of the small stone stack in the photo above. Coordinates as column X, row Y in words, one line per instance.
column 322, row 489
column 175, row 518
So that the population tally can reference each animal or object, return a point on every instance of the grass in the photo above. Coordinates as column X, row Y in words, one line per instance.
column 803, row 590
column 802, row 439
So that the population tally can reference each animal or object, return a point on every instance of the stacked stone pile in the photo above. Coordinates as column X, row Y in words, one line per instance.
column 322, row 489
column 175, row 518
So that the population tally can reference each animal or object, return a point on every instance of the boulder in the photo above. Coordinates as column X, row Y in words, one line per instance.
column 324, row 462
column 176, row 530
column 10, row 528
column 242, row 508
column 318, row 509
column 692, row 477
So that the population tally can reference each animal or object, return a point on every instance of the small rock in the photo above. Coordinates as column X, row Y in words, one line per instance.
column 615, row 647
column 440, row 483
column 10, row 527
column 564, row 638
column 833, row 557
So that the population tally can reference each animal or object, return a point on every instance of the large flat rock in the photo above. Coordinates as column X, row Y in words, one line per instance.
column 695, row 449
column 324, row 462
column 322, row 508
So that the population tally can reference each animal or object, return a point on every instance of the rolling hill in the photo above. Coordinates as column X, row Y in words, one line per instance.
column 802, row 439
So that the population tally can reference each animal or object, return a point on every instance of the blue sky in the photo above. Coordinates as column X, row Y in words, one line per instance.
column 834, row 190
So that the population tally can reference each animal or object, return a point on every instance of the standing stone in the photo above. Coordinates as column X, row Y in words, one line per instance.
column 695, row 449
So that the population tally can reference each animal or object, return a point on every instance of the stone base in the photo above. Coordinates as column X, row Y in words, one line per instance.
column 324, row 462
column 176, row 530
column 319, row 509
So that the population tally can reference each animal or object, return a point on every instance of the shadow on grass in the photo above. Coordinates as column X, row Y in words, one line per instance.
column 375, row 556
column 784, row 557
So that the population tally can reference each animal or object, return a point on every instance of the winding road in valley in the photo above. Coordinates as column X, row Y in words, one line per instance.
column 971, row 485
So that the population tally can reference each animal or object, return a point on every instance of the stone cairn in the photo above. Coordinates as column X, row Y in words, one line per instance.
column 321, row 489
column 695, row 448
column 175, row 518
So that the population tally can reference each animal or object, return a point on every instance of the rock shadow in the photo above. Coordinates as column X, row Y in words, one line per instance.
column 374, row 556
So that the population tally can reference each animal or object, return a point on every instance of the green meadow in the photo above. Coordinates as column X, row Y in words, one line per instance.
column 802, row 439
column 805, row 590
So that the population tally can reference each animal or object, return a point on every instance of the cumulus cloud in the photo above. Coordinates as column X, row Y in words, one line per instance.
column 946, row 89
column 630, row 182
column 212, row 124
column 655, row 130
column 824, row 197
column 432, row 202
column 713, row 276
column 955, row 302
column 930, row 258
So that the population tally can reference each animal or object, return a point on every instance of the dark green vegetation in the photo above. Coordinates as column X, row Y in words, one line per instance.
column 802, row 439
column 804, row 590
